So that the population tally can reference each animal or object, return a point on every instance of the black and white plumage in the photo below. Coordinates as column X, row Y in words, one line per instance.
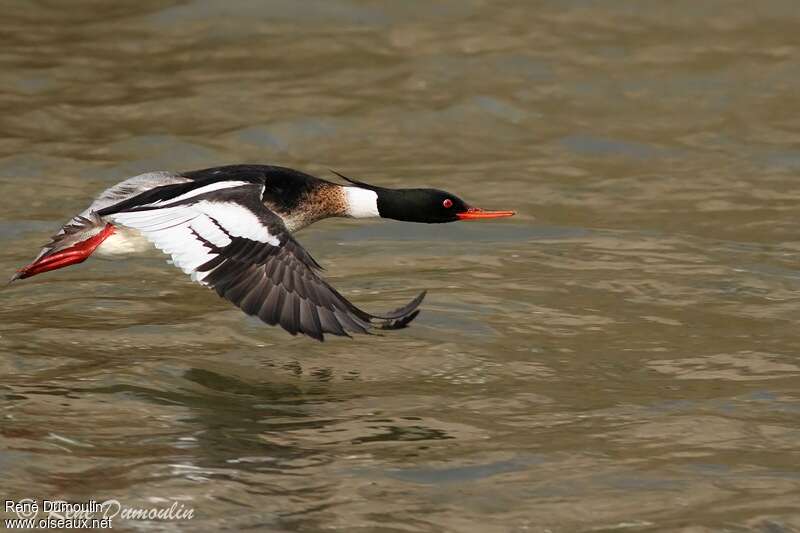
column 226, row 239
column 230, row 228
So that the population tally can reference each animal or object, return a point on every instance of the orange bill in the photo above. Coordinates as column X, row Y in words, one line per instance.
column 474, row 213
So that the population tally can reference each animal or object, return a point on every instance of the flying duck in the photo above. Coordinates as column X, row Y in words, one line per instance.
column 231, row 229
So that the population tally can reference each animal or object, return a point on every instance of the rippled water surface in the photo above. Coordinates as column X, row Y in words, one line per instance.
column 622, row 355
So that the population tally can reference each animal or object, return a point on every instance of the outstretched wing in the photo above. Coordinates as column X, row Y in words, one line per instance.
column 225, row 238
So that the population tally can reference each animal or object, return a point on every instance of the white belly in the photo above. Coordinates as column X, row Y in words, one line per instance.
column 123, row 241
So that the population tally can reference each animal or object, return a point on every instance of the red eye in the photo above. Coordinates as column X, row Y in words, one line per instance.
column 448, row 203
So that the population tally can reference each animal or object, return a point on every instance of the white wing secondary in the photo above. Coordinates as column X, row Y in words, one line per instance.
column 183, row 230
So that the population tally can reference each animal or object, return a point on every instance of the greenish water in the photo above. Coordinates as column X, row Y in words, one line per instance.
column 622, row 355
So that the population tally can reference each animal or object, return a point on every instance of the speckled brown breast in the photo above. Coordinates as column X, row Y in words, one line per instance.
column 325, row 200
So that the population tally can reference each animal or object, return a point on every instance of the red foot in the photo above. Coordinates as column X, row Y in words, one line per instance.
column 77, row 253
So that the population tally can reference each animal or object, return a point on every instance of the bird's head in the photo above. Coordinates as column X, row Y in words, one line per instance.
column 431, row 206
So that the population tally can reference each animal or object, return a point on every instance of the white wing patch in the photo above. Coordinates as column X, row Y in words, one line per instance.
column 200, row 190
column 238, row 221
column 175, row 230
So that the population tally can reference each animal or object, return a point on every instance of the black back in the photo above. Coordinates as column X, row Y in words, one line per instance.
column 284, row 188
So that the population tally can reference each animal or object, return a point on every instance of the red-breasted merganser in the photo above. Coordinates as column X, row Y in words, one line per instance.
column 230, row 228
